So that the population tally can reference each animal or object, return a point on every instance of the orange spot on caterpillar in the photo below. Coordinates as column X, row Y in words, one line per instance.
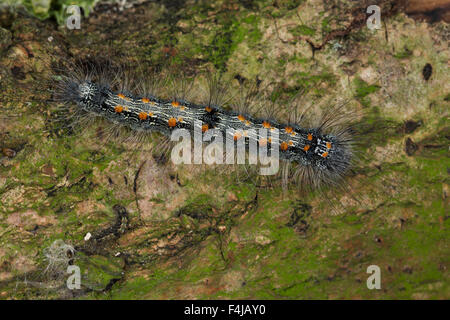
column 237, row 136
column 121, row 96
column 306, row 148
column 182, row 107
column 143, row 115
column 150, row 114
column 266, row 125
column 284, row 146
column 325, row 154
column 328, row 145
column 310, row 136
column 145, row 100
column 118, row 109
column 241, row 117
column 180, row 119
column 247, row 123
column 208, row 109
column 175, row 104
column 172, row 122
column 291, row 142
column 288, row 129
column 205, row 127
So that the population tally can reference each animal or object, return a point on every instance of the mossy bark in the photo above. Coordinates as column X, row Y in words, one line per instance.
column 197, row 233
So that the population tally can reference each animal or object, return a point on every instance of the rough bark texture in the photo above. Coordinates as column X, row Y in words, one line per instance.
column 165, row 232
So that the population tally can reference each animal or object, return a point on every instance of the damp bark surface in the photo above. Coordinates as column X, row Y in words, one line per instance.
column 142, row 228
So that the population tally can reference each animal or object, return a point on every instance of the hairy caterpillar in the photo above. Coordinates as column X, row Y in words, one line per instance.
column 322, row 154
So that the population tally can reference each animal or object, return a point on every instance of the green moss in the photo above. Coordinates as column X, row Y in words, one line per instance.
column 326, row 28
column 98, row 272
column 362, row 88
column 302, row 30
column 289, row 4
column 225, row 40
column 404, row 53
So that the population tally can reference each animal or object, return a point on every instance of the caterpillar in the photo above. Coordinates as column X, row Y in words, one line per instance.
column 322, row 154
